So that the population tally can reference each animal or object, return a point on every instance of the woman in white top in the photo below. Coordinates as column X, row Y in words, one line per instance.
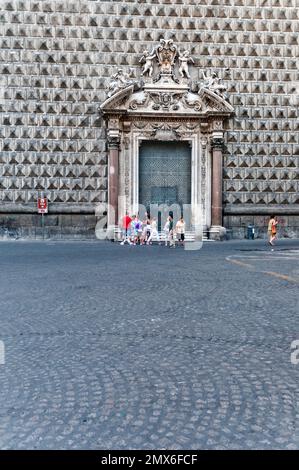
column 154, row 231
column 180, row 230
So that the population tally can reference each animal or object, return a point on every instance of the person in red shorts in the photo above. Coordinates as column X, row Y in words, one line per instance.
column 126, row 229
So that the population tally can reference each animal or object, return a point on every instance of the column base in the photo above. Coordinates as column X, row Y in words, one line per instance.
column 217, row 232
column 113, row 233
column 205, row 233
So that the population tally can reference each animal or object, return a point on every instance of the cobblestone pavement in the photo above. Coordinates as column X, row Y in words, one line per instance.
column 118, row 347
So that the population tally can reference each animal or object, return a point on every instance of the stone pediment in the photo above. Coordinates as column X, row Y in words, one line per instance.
column 165, row 88
column 172, row 100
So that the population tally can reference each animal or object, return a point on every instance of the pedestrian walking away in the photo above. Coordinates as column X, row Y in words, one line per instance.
column 180, row 230
column 272, row 230
column 166, row 230
column 171, row 233
column 153, row 232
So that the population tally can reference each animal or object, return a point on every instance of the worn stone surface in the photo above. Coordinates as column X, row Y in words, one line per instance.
column 56, row 57
column 118, row 347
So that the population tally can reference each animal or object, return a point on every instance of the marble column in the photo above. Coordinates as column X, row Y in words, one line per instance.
column 113, row 183
column 217, row 231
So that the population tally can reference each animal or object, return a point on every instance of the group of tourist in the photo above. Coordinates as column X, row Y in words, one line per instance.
column 144, row 232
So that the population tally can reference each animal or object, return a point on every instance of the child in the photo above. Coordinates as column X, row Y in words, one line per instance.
column 148, row 229
column 133, row 230
column 138, row 230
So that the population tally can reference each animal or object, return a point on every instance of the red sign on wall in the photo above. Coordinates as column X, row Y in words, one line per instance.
column 42, row 205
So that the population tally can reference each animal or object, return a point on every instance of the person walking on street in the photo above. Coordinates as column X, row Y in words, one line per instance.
column 166, row 230
column 138, row 230
column 272, row 229
column 148, row 232
column 126, row 229
column 171, row 233
column 153, row 232
column 145, row 229
column 180, row 230
column 133, row 230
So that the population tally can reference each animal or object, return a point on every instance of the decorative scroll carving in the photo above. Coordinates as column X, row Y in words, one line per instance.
column 140, row 100
column 192, row 101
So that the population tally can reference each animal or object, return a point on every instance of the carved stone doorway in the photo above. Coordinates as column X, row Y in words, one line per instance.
column 161, row 109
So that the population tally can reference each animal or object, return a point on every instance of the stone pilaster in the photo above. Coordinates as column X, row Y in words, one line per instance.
column 113, row 177
column 217, row 231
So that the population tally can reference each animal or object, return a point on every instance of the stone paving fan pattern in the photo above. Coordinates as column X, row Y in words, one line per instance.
column 56, row 57
column 191, row 353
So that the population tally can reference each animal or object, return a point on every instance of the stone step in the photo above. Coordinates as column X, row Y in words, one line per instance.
column 189, row 236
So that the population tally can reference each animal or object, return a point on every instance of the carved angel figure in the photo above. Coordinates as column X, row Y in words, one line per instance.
column 148, row 59
column 184, row 58
column 213, row 84
column 118, row 81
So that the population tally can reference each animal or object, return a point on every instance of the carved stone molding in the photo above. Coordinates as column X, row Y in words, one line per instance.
column 194, row 103
column 217, row 143
column 204, row 142
column 165, row 100
column 166, row 131
column 113, row 141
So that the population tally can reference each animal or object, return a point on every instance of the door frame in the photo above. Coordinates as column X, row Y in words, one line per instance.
column 196, row 157
column 188, row 156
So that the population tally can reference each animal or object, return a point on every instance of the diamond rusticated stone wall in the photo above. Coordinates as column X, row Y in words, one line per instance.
column 56, row 57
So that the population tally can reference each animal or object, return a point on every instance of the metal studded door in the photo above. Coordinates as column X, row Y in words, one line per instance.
column 164, row 173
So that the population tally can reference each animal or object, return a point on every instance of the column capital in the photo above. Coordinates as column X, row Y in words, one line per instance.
column 217, row 143
column 113, row 141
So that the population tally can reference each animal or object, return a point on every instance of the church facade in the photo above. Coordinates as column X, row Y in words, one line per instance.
column 108, row 105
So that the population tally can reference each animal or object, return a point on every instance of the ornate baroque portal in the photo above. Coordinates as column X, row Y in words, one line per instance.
column 165, row 105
